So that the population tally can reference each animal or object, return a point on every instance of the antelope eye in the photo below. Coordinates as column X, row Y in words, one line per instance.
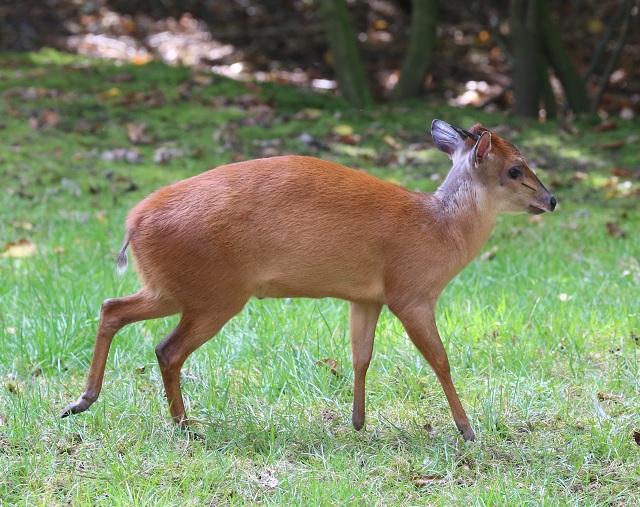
column 514, row 172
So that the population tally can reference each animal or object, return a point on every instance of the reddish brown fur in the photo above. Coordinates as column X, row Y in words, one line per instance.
column 301, row 227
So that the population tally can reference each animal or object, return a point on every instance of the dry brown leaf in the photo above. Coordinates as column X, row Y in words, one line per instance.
column 391, row 142
column 605, row 125
column 201, row 79
column 248, row 100
column 615, row 230
column 48, row 118
column 261, row 114
column 19, row 249
column 420, row 481
column 136, row 133
column 611, row 146
column 27, row 226
column 490, row 254
column 155, row 98
column 308, row 114
column 430, row 430
column 332, row 364
column 354, row 139
column 622, row 172
column 142, row 59
column 609, row 397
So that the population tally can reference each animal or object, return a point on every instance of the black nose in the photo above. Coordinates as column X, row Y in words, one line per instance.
column 553, row 203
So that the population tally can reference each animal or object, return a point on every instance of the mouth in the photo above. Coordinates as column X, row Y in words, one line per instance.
column 534, row 210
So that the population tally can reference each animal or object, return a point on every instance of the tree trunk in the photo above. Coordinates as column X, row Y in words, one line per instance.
column 558, row 57
column 420, row 54
column 545, row 90
column 344, row 50
column 524, row 34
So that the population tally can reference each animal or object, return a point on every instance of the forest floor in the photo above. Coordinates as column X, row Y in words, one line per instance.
column 284, row 41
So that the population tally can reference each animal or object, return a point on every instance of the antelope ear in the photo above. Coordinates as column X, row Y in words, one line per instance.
column 447, row 139
column 481, row 149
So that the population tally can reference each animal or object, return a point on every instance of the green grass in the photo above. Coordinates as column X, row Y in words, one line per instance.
column 542, row 330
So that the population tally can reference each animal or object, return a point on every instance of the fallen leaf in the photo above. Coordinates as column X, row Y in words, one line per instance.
column 342, row 130
column 111, row 93
column 122, row 154
column 353, row 139
column 309, row 140
column 390, row 141
column 622, row 172
column 19, row 249
column 226, row 136
column 155, row 98
column 328, row 416
column 605, row 125
column 576, row 488
column 430, row 430
column 201, row 79
column 611, row 146
column 609, row 397
column 615, row 230
column 48, row 118
column 27, row 226
column 248, row 100
column 260, row 114
column 332, row 364
column 142, row 59
column 420, row 481
column 267, row 479
column 490, row 254
column 308, row 114
column 136, row 133
column 163, row 154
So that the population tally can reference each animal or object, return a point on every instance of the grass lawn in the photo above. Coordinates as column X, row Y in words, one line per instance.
column 542, row 330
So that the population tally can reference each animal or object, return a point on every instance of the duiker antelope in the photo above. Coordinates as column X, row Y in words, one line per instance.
column 297, row 226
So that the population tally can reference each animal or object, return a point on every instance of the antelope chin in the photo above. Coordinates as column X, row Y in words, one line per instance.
column 534, row 210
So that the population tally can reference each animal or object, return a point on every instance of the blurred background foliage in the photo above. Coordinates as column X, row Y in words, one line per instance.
column 536, row 58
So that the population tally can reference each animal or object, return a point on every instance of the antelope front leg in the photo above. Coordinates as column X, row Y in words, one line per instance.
column 420, row 324
column 362, row 326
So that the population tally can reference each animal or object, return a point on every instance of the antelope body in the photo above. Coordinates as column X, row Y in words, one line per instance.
column 302, row 227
